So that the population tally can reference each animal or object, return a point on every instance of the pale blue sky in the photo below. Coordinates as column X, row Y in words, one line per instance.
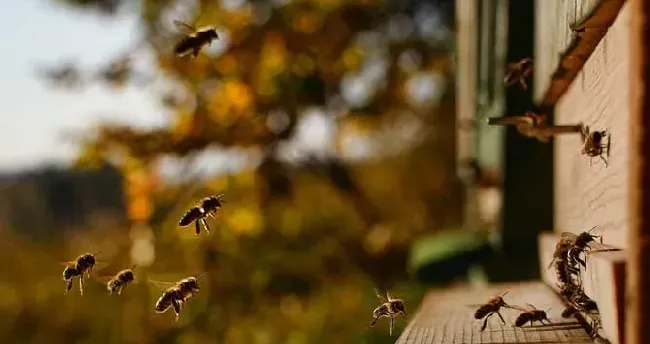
column 34, row 115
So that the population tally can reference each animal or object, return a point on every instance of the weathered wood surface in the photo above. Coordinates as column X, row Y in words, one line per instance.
column 446, row 316
column 596, row 195
column 603, row 281
column 554, row 37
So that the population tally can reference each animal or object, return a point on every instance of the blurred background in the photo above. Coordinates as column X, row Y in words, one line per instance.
column 329, row 125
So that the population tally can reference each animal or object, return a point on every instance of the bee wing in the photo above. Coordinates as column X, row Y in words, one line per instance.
column 568, row 235
column 381, row 297
column 557, row 129
column 184, row 27
column 516, row 307
column 190, row 216
column 509, row 120
column 162, row 285
column 104, row 279
column 69, row 264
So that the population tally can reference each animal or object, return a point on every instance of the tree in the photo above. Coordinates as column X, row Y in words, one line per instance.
column 296, row 226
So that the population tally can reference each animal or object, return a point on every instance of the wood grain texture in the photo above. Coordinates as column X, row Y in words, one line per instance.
column 446, row 316
column 596, row 195
column 553, row 35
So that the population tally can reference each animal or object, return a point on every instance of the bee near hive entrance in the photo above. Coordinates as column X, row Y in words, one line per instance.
column 593, row 146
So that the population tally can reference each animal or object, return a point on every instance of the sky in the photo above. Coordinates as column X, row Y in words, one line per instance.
column 35, row 116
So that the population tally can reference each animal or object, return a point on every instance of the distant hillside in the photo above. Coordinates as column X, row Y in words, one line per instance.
column 42, row 202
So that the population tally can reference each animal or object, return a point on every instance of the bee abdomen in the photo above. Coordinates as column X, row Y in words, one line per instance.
column 522, row 319
column 481, row 312
column 163, row 303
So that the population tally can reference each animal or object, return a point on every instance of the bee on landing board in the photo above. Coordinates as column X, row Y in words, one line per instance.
column 534, row 125
column 175, row 296
column 531, row 315
column 82, row 265
column 209, row 206
column 195, row 39
column 592, row 144
column 490, row 308
column 518, row 72
column 390, row 308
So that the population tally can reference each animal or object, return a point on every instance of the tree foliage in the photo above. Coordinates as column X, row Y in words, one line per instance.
column 306, row 233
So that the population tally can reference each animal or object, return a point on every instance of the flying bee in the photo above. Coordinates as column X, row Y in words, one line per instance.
column 592, row 144
column 490, row 308
column 82, row 265
column 534, row 125
column 176, row 295
column 518, row 72
column 531, row 315
column 119, row 281
column 390, row 308
column 209, row 206
column 195, row 39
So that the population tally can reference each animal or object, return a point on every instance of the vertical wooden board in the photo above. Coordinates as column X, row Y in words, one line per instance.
column 596, row 195
column 466, row 57
column 553, row 20
column 604, row 282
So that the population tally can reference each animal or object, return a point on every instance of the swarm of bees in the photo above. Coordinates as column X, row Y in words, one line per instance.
column 592, row 144
column 389, row 308
column 531, row 124
column 567, row 262
column 519, row 72
column 177, row 293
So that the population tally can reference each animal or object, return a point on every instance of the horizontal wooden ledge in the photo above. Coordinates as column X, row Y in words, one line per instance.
column 447, row 316
column 603, row 281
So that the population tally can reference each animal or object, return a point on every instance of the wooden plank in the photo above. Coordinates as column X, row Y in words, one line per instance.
column 444, row 317
column 603, row 281
column 553, row 20
column 638, row 291
column 596, row 195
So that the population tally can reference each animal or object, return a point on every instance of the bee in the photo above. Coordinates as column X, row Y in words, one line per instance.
column 490, row 308
column 518, row 72
column 82, row 265
column 120, row 280
column 531, row 315
column 580, row 244
column 569, row 312
column 390, row 308
column 592, row 144
column 209, row 207
column 178, row 294
column 195, row 39
column 534, row 125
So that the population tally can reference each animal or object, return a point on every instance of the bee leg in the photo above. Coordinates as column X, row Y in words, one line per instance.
column 485, row 321
column 195, row 52
column 197, row 227
column 604, row 160
column 81, row 284
column 499, row 314
column 390, row 331
column 177, row 309
column 522, row 82
column 374, row 322
column 69, row 286
column 205, row 224
column 119, row 291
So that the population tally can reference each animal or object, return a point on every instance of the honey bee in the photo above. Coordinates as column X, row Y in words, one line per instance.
column 209, row 207
column 518, row 72
column 534, row 125
column 82, row 265
column 195, row 39
column 176, row 295
column 592, row 144
column 389, row 308
column 531, row 315
column 118, row 282
column 490, row 308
